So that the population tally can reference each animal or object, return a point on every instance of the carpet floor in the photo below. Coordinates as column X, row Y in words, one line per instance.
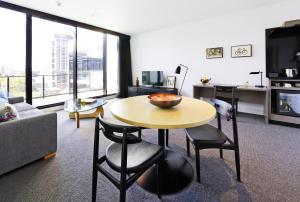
column 270, row 167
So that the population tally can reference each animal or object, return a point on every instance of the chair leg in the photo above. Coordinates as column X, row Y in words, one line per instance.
column 236, row 108
column 197, row 152
column 221, row 153
column 122, row 195
column 167, row 137
column 187, row 146
column 140, row 133
column 123, row 186
column 94, row 184
column 237, row 164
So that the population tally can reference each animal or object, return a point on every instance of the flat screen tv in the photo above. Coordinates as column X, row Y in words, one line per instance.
column 282, row 51
column 152, row 78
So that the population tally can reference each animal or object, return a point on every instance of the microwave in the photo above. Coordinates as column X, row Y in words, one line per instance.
column 288, row 102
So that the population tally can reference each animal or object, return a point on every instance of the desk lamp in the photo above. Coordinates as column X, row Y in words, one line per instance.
column 177, row 71
column 259, row 72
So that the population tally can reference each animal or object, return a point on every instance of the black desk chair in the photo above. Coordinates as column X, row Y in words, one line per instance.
column 227, row 94
column 207, row 136
column 128, row 155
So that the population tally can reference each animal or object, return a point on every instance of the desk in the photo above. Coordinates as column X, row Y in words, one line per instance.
column 177, row 172
column 245, row 94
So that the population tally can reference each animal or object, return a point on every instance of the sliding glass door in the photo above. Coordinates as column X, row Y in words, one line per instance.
column 90, row 69
column 12, row 52
column 52, row 62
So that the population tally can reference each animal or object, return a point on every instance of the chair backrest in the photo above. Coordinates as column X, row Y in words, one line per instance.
column 226, row 110
column 124, row 139
column 225, row 92
column 109, row 130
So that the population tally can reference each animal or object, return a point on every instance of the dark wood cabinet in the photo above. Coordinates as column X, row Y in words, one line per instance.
column 146, row 90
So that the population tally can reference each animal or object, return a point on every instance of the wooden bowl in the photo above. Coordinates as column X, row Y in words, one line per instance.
column 165, row 100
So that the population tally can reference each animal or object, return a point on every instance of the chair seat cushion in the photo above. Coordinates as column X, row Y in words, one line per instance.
column 139, row 155
column 206, row 134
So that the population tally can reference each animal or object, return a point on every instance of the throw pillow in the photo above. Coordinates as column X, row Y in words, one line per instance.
column 8, row 113
column 3, row 97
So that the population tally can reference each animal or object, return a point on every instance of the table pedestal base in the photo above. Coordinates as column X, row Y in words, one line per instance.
column 177, row 174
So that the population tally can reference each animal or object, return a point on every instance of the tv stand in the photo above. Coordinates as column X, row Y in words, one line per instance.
column 147, row 90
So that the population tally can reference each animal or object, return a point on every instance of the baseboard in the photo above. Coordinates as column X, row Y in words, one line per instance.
column 284, row 124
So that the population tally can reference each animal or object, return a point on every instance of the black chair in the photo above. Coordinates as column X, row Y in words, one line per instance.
column 129, row 155
column 207, row 136
column 227, row 94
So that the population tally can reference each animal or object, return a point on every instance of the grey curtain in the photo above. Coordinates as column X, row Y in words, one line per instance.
column 125, row 71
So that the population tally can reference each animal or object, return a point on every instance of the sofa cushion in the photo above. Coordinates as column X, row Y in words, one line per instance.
column 22, row 106
column 30, row 113
column 14, row 100
column 3, row 97
column 8, row 112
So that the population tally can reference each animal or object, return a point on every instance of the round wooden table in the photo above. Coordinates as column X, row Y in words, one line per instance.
column 138, row 111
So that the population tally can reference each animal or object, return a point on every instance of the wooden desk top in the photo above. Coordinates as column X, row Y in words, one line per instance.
column 239, row 87
column 138, row 111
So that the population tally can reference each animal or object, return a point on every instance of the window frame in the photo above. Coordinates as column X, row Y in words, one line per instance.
column 76, row 24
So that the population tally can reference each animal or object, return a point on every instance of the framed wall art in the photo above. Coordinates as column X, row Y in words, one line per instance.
column 241, row 51
column 171, row 81
column 214, row 53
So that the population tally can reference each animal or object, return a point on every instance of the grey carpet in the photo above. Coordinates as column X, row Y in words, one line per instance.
column 270, row 168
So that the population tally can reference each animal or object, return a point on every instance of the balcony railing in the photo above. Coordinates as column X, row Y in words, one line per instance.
column 44, row 86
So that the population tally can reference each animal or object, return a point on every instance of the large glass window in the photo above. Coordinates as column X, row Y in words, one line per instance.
column 52, row 62
column 112, row 63
column 12, row 52
column 89, row 63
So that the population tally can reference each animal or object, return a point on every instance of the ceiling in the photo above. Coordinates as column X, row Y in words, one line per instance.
column 136, row 16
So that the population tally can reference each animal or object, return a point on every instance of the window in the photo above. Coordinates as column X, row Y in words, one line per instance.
column 12, row 52
column 52, row 62
column 112, row 63
column 89, row 63
column 52, row 59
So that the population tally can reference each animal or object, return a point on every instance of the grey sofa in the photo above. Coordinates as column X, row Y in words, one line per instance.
column 30, row 138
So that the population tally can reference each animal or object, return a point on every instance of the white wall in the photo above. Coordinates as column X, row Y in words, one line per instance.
column 166, row 48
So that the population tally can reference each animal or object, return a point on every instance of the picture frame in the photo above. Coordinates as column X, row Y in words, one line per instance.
column 216, row 52
column 241, row 51
column 171, row 81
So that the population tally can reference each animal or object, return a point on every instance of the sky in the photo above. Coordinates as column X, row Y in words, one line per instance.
column 13, row 44
column 13, row 37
